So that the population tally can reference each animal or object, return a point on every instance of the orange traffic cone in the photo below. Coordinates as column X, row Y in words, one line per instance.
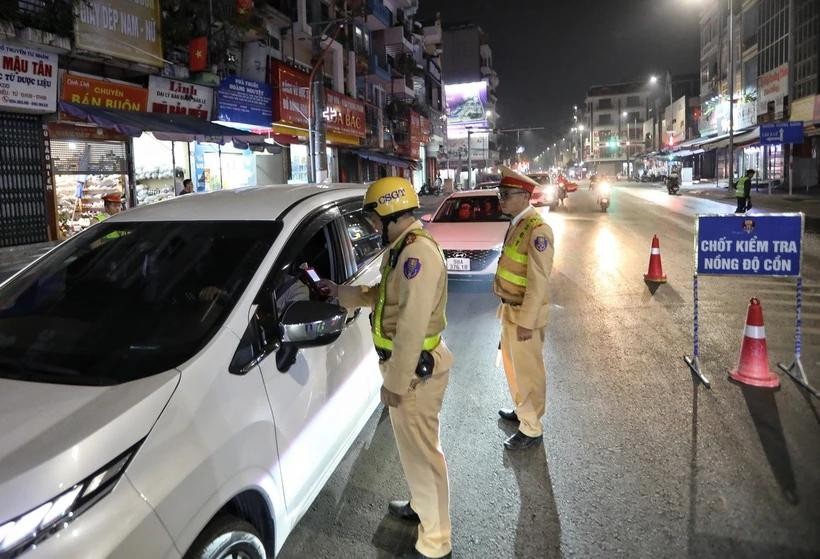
column 753, row 366
column 655, row 273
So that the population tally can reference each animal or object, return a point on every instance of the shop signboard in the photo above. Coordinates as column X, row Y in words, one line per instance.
column 125, row 29
column 715, row 116
column 290, row 103
column 245, row 104
column 180, row 98
column 345, row 115
column 805, row 109
column 750, row 245
column 773, row 86
column 28, row 80
column 466, row 106
column 777, row 133
column 104, row 94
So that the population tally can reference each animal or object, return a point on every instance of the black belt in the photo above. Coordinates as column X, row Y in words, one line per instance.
column 424, row 367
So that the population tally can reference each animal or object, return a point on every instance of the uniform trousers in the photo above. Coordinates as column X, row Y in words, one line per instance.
column 526, row 375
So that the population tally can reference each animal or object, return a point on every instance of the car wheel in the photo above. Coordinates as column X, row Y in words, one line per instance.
column 227, row 537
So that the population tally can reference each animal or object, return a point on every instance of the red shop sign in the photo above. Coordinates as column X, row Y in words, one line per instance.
column 345, row 115
column 290, row 94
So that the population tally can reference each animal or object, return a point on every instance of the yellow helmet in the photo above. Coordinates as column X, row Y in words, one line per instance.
column 390, row 195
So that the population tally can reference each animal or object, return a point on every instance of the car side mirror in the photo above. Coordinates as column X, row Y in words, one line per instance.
column 427, row 218
column 312, row 323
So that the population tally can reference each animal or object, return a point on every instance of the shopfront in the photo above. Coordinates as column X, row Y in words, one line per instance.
column 247, row 105
column 88, row 163
column 28, row 90
column 345, row 118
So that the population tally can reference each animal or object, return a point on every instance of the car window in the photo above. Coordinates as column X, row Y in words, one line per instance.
column 470, row 209
column 123, row 301
column 366, row 241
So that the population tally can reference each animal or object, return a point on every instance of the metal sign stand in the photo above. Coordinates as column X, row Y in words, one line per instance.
column 795, row 370
column 694, row 361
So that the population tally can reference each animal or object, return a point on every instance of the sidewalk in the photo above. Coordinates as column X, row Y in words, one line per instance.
column 778, row 201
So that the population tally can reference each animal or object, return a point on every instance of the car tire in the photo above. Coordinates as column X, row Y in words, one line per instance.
column 227, row 537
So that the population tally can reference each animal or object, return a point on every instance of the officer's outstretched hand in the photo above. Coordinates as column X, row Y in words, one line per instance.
column 328, row 288
column 390, row 399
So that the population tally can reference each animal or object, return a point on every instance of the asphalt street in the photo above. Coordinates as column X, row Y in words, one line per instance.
column 638, row 459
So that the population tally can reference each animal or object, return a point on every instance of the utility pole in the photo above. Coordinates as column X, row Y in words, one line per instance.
column 469, row 161
column 317, row 128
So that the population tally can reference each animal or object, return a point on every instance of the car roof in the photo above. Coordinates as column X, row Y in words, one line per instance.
column 473, row 193
column 253, row 203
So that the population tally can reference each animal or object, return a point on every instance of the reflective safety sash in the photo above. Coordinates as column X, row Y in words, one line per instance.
column 511, row 251
column 379, row 339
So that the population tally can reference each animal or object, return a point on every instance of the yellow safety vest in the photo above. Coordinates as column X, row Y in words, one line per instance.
column 379, row 339
column 512, row 251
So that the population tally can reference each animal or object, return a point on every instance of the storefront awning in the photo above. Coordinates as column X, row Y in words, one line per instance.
column 385, row 159
column 166, row 127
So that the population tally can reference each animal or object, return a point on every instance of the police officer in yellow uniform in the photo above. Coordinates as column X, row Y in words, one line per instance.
column 407, row 322
column 112, row 203
column 522, row 284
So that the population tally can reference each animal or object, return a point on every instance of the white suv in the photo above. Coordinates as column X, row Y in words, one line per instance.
column 169, row 386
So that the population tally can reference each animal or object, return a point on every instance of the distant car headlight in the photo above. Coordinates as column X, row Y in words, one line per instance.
column 31, row 528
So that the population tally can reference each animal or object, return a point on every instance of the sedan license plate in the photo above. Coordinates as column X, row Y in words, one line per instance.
column 458, row 264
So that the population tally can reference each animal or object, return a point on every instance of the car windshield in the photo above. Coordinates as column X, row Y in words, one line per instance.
column 470, row 209
column 126, row 300
column 539, row 178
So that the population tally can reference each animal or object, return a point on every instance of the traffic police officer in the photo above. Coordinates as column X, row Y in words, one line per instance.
column 407, row 323
column 112, row 203
column 522, row 284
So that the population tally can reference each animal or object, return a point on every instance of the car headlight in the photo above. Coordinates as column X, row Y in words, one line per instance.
column 31, row 528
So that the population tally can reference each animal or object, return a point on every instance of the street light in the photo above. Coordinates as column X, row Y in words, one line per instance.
column 653, row 80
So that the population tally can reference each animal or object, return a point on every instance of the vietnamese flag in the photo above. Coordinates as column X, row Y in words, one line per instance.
column 198, row 54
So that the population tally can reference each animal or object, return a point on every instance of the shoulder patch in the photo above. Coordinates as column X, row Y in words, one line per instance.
column 541, row 243
column 412, row 267
column 409, row 239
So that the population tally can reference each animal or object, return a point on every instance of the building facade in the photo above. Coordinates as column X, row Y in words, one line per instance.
column 217, row 91
column 615, row 116
column 776, row 45
column 470, row 84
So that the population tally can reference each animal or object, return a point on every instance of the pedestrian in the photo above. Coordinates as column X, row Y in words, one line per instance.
column 407, row 322
column 522, row 284
column 187, row 187
column 743, row 192
column 112, row 205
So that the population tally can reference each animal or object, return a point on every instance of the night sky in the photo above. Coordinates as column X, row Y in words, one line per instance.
column 548, row 52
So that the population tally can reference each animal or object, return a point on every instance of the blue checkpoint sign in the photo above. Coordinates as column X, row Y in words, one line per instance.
column 749, row 245
column 781, row 133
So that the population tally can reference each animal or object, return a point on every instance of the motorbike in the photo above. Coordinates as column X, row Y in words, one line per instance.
column 672, row 185
column 604, row 192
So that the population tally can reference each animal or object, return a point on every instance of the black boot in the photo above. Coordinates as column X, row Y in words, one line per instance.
column 509, row 415
column 402, row 510
column 520, row 441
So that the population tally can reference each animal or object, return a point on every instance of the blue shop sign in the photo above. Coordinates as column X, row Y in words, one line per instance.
column 750, row 245
column 777, row 133
column 244, row 103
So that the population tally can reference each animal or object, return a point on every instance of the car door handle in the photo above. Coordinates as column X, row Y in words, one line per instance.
column 351, row 319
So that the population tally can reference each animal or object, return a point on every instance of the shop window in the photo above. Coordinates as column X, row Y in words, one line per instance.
column 298, row 164
column 84, row 172
column 367, row 242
